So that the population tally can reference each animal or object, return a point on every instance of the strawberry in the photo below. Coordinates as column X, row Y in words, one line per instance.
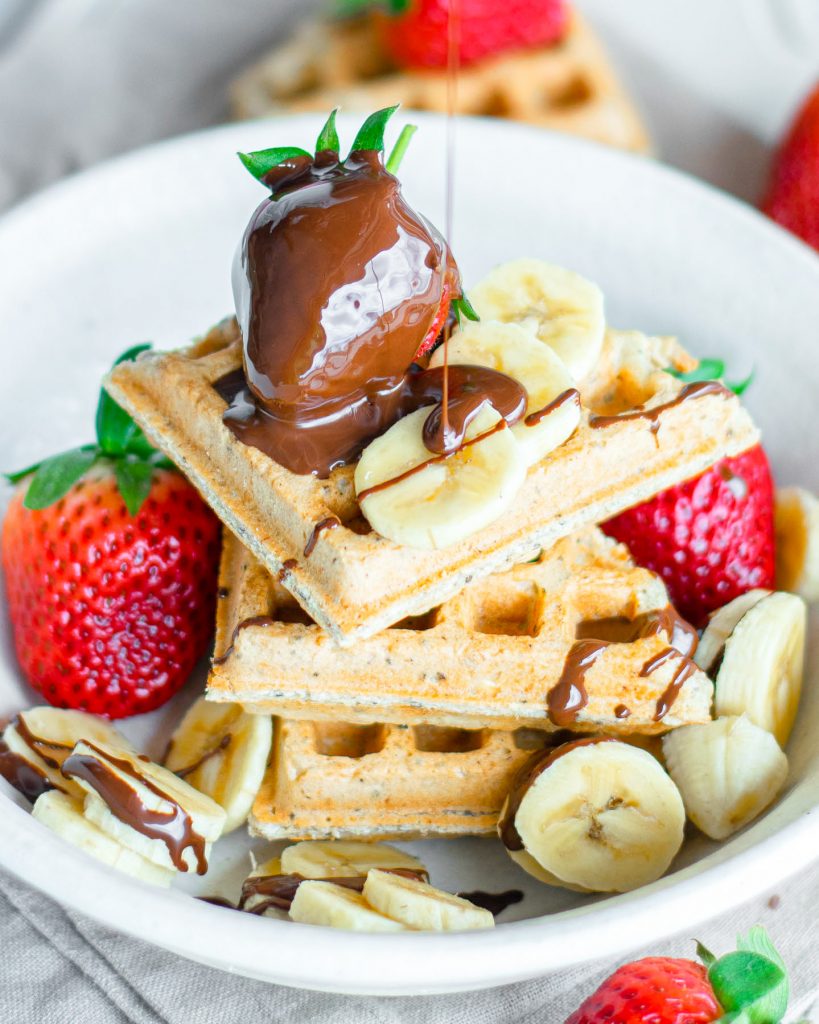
column 793, row 192
column 710, row 538
column 110, row 561
column 749, row 985
column 415, row 32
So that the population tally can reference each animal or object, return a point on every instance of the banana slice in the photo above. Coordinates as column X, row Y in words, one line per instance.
column 332, row 905
column 797, row 542
column 45, row 736
column 558, row 306
column 448, row 499
column 342, row 859
column 63, row 815
column 728, row 772
column 762, row 667
column 422, row 907
column 146, row 807
column 596, row 816
column 256, row 901
column 721, row 625
column 510, row 349
column 222, row 751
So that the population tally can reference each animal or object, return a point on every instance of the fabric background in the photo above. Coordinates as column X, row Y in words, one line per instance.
column 84, row 79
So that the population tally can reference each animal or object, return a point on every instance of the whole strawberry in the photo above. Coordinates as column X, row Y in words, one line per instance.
column 110, row 561
column 415, row 32
column 750, row 983
column 793, row 192
column 710, row 538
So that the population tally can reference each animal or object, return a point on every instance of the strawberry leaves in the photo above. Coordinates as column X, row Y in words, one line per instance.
column 712, row 369
column 400, row 148
column 751, row 984
column 261, row 162
column 371, row 134
column 119, row 441
column 328, row 142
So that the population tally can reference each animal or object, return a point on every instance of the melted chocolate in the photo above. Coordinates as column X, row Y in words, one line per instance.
column 22, row 774
column 494, row 902
column 287, row 567
column 565, row 398
column 51, row 752
column 278, row 891
column 568, row 696
column 330, row 523
column 174, row 829
column 253, row 620
column 621, row 711
column 223, row 744
column 682, row 674
column 690, row 391
column 682, row 636
column 218, row 901
column 528, row 774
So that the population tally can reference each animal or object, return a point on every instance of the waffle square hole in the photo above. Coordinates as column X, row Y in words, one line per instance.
column 343, row 739
column 437, row 739
column 573, row 92
column 618, row 630
column 508, row 608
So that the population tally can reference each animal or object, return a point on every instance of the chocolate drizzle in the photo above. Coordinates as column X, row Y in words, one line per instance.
column 681, row 675
column 564, row 398
column 223, row 744
column 253, row 620
column 690, row 391
column 51, row 752
column 494, row 902
column 173, row 828
column 568, row 696
column 287, row 567
column 22, row 775
column 526, row 777
column 330, row 523
column 278, row 891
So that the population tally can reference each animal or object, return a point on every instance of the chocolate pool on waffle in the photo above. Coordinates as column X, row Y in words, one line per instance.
column 641, row 431
column 580, row 639
column 567, row 87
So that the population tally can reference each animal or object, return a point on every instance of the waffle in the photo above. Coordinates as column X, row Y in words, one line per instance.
column 485, row 659
column 568, row 87
column 335, row 780
column 355, row 582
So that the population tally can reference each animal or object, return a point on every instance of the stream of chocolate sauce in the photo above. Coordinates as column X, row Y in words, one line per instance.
column 174, row 829
column 253, row 620
column 223, row 744
column 22, row 774
column 695, row 390
column 278, row 891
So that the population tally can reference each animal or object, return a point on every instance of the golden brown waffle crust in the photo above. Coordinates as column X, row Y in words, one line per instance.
column 354, row 585
column 486, row 658
column 568, row 87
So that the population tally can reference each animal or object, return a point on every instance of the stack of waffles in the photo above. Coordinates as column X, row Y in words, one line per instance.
column 568, row 86
column 409, row 686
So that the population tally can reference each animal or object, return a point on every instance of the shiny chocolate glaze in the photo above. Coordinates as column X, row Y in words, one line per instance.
column 681, row 675
column 278, row 891
column 329, row 523
column 571, row 395
column 494, row 902
column 528, row 774
column 174, row 828
column 568, row 696
column 22, row 774
column 690, row 391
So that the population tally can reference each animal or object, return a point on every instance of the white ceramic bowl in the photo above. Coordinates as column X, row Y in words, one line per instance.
column 141, row 248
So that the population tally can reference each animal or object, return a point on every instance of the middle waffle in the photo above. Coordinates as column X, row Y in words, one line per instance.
column 488, row 658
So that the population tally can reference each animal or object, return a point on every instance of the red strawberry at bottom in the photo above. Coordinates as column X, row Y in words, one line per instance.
column 416, row 32
column 657, row 990
column 710, row 538
column 110, row 564
column 793, row 192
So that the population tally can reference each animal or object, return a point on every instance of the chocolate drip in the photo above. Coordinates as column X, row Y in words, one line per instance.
column 217, row 901
column 51, row 752
column 278, row 891
column 22, row 775
column 287, row 567
column 621, row 711
column 564, row 398
column 682, row 674
column 682, row 636
column 330, row 523
column 528, row 774
column 494, row 902
column 253, row 620
column 690, row 391
column 223, row 744
column 568, row 696
column 174, row 828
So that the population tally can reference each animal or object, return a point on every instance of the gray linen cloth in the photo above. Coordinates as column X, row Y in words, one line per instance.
column 81, row 80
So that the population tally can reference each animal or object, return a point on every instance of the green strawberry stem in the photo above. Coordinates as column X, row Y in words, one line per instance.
column 119, row 441
column 371, row 134
column 328, row 136
column 712, row 369
column 400, row 148
column 463, row 309
column 347, row 8
column 750, row 984
column 262, row 161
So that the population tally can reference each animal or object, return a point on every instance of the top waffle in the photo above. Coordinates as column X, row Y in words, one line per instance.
column 355, row 583
column 567, row 87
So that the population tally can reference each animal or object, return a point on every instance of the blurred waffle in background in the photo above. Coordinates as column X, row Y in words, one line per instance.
column 566, row 84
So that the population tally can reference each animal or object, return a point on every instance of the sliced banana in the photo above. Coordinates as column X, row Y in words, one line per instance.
column 256, row 902
column 45, row 736
column 342, row 859
column 560, row 307
column 728, row 772
column 797, row 542
column 602, row 817
column 337, row 907
column 422, row 907
column 512, row 350
column 448, row 499
column 122, row 797
column 63, row 814
column 762, row 667
column 721, row 625
column 222, row 751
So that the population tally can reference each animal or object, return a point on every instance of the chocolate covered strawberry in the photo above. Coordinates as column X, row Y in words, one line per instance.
column 793, row 192
column 710, row 538
column 110, row 559
column 749, row 986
